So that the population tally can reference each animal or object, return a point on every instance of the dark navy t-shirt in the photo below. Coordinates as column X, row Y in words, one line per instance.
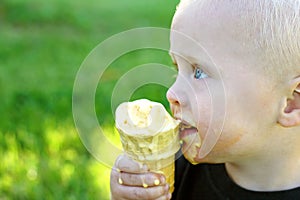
column 211, row 182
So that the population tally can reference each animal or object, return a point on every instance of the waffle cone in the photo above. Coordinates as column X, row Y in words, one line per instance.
column 155, row 147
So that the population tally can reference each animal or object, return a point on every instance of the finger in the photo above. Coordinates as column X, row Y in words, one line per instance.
column 138, row 193
column 165, row 197
column 149, row 179
column 126, row 164
column 119, row 191
column 146, row 179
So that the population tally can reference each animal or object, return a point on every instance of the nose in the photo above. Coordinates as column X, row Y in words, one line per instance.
column 172, row 98
column 175, row 102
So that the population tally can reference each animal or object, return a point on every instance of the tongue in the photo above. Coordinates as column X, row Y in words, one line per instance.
column 188, row 131
column 190, row 136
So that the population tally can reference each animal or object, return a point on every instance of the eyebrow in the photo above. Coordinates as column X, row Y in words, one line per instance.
column 174, row 61
column 175, row 65
column 205, row 64
column 186, row 59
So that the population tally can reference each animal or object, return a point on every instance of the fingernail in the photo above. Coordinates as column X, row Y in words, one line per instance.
column 169, row 196
column 144, row 167
column 167, row 187
column 156, row 182
column 162, row 180
column 141, row 165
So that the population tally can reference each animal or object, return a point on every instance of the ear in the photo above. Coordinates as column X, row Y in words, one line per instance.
column 290, row 112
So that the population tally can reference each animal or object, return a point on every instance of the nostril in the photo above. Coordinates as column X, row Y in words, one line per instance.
column 176, row 103
column 172, row 97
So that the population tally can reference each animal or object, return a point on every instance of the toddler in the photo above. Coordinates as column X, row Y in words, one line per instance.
column 238, row 93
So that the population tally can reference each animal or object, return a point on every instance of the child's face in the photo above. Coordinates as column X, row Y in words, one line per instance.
column 231, row 96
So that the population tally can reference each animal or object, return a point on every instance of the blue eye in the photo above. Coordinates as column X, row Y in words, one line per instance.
column 199, row 74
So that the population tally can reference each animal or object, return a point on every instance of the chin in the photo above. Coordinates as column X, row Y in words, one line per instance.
column 191, row 153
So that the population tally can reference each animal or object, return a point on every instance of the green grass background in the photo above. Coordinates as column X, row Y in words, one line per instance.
column 42, row 45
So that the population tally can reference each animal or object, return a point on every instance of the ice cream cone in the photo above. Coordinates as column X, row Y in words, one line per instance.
column 149, row 135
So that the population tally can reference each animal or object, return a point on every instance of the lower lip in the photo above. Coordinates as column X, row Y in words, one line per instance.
column 188, row 131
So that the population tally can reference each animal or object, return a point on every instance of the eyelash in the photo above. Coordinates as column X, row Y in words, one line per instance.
column 199, row 73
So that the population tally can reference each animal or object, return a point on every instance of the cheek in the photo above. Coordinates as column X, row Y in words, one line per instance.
column 245, row 124
column 251, row 108
column 210, row 109
column 201, row 106
column 227, row 141
column 252, row 95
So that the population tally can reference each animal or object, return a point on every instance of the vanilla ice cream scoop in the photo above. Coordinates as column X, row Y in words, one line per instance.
column 149, row 135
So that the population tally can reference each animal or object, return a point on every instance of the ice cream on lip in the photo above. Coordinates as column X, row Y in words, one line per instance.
column 190, row 140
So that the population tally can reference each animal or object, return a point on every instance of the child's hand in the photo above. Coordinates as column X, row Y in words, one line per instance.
column 130, row 181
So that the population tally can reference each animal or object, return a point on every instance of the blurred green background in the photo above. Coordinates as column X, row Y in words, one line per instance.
column 42, row 45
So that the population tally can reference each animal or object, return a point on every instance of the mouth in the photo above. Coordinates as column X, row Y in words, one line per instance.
column 186, row 130
column 189, row 134
column 190, row 141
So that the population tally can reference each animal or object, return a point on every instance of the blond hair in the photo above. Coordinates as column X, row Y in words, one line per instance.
column 274, row 27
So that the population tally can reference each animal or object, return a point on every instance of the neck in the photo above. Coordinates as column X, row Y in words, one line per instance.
column 277, row 173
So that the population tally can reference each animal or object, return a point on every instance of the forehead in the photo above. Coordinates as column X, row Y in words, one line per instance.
column 184, row 36
column 206, row 13
column 203, row 20
column 215, row 28
column 191, row 35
